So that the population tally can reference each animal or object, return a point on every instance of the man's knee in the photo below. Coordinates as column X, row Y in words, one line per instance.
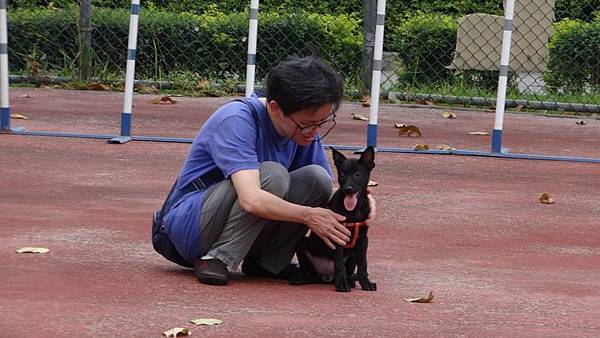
column 320, row 183
column 274, row 178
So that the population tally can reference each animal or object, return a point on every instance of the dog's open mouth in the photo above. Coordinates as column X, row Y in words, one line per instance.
column 350, row 201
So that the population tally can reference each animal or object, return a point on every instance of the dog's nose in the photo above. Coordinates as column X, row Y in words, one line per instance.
column 348, row 189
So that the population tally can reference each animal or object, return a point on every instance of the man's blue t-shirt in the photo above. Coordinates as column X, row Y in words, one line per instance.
column 238, row 136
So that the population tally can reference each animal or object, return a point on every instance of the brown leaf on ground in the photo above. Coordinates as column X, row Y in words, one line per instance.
column 478, row 133
column 372, row 184
column 177, row 331
column 581, row 123
column 425, row 102
column 18, row 116
column 427, row 299
column 420, row 147
column 545, row 198
column 31, row 249
column 444, row 147
column 207, row 321
column 98, row 86
column 519, row 108
column 448, row 115
column 359, row 117
column 414, row 132
column 410, row 130
column 366, row 101
column 143, row 89
column 164, row 100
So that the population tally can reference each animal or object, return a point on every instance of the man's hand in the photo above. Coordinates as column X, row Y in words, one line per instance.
column 372, row 205
column 326, row 224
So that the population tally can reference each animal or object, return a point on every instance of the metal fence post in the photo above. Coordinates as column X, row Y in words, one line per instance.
column 376, row 79
column 252, row 37
column 85, row 39
column 503, row 78
column 5, row 118
column 129, row 75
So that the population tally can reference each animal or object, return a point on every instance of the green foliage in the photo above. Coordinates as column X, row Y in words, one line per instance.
column 577, row 9
column 37, row 38
column 425, row 43
column 210, row 45
column 574, row 49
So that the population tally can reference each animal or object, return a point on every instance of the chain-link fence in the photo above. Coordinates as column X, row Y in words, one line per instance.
column 447, row 50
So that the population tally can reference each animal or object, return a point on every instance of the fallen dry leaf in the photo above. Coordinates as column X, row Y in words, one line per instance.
column 419, row 147
column 581, row 123
column 444, row 147
column 410, row 130
column 163, row 100
column 143, row 89
column 448, row 115
column 425, row 102
column 372, row 184
column 25, row 96
column 18, row 116
column 427, row 299
column 30, row 249
column 545, row 198
column 519, row 107
column 359, row 117
column 174, row 332
column 478, row 133
column 98, row 86
column 207, row 321
column 366, row 101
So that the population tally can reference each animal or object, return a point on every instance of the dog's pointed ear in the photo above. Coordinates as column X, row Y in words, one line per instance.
column 368, row 157
column 337, row 156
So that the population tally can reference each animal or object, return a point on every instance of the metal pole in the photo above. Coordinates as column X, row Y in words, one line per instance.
column 376, row 79
column 5, row 106
column 85, row 39
column 252, row 37
column 370, row 13
column 130, row 75
column 507, row 29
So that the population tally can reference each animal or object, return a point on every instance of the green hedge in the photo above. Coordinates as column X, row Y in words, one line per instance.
column 574, row 55
column 211, row 45
column 425, row 43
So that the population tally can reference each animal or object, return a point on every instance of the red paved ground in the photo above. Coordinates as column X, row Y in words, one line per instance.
column 471, row 229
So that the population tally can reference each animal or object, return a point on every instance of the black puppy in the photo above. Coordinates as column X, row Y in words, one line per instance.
column 349, row 200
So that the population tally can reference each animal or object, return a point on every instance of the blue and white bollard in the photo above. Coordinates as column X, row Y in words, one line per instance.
column 5, row 106
column 252, row 37
column 507, row 29
column 376, row 78
column 130, row 75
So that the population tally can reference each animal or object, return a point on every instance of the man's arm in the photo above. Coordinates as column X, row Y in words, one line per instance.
column 323, row 222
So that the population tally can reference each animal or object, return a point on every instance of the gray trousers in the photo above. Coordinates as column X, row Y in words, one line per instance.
column 230, row 234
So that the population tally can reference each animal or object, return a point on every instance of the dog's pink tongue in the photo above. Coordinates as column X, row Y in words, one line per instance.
column 350, row 201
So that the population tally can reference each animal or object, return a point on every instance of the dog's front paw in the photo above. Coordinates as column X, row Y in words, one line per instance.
column 367, row 285
column 342, row 285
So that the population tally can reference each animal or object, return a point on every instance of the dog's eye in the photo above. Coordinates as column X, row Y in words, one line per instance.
column 357, row 174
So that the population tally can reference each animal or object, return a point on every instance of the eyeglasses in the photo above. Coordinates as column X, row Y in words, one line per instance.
column 326, row 125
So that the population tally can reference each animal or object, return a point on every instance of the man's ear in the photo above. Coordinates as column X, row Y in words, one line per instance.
column 368, row 157
column 338, row 157
column 275, row 108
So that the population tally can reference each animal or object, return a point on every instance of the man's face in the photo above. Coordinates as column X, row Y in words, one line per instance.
column 304, row 125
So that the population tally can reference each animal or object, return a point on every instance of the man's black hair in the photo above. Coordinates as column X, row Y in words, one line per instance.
column 304, row 83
